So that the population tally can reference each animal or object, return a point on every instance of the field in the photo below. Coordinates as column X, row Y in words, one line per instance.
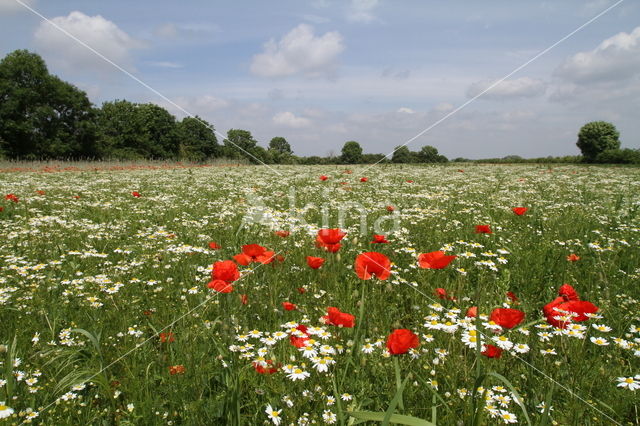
column 107, row 315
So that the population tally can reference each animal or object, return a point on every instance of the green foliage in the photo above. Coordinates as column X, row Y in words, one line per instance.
column 41, row 116
column 596, row 137
column 197, row 138
column 280, row 145
column 619, row 156
column 401, row 155
column 240, row 144
column 351, row 153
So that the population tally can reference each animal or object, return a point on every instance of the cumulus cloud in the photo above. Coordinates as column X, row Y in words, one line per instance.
column 288, row 119
column 9, row 6
column 362, row 11
column 616, row 58
column 299, row 52
column 101, row 34
column 405, row 110
column 523, row 87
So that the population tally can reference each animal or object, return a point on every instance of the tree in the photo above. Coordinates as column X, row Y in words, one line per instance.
column 241, row 144
column 401, row 154
column 42, row 116
column 280, row 145
column 619, row 156
column 133, row 131
column 596, row 137
column 351, row 153
column 197, row 139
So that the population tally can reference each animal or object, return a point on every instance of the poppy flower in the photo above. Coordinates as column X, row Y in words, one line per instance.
column 364, row 179
column 214, row 246
column 575, row 309
column 519, row 210
column 460, row 170
column 167, row 337
column 300, row 341
column 12, row 197
column 329, row 239
column 409, row 181
column 373, row 263
column 176, row 369
column 506, row 317
column 265, row 369
column 442, row 294
column 136, row 194
column 483, row 229
column 491, row 351
column 390, row 208
column 283, row 234
column 401, row 340
column 323, row 178
column 434, row 260
column 573, row 257
column 302, row 290
column 244, row 299
column 220, row 286
column 254, row 253
column 472, row 312
column 339, row 319
column 225, row 270
column 512, row 296
column 40, row 192
column 568, row 292
column 314, row 262
column 1, row 209
column 379, row 239
column 288, row 306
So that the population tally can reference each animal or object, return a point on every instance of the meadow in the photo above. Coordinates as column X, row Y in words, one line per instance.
column 112, row 311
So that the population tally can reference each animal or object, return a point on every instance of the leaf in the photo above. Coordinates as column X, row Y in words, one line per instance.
column 398, row 419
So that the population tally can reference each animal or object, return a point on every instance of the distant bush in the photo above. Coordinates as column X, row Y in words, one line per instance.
column 619, row 156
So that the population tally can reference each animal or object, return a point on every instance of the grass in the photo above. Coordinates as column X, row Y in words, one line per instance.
column 97, row 274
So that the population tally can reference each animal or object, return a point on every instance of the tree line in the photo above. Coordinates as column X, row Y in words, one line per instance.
column 43, row 117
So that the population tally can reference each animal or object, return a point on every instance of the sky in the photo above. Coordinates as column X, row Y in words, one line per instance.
column 323, row 72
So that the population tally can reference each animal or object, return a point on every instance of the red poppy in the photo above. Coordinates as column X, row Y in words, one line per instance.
column 491, row 351
column 329, row 239
column 373, row 263
column 434, row 260
column 442, row 294
column 176, row 369
column 77, row 197
column 167, row 337
column 288, row 306
column 244, row 299
column 483, row 229
column 573, row 257
column 379, row 239
column 506, row 317
column 302, row 290
column 12, row 197
column 339, row 319
column 401, row 340
column 225, row 270
column 568, row 304
column 220, row 286
column 40, row 192
column 214, row 246
column 283, row 234
column 136, row 194
column 512, row 296
column 364, row 179
column 519, row 210
column 323, row 178
column 254, row 253
column 314, row 262
column 472, row 312
column 461, row 171
column 390, row 208
column 568, row 292
column 300, row 341
column 409, row 181
column 268, row 369
column 1, row 209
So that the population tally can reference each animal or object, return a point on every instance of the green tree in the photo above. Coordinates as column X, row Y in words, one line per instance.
column 42, row 116
column 133, row 131
column 197, row 139
column 619, row 156
column 280, row 145
column 351, row 153
column 596, row 137
column 401, row 154
column 241, row 144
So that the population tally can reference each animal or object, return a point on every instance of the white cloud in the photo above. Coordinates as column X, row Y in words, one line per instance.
column 167, row 30
column 299, row 52
column 165, row 64
column 288, row 119
column 405, row 110
column 10, row 6
column 362, row 11
column 616, row 58
column 523, row 87
column 101, row 34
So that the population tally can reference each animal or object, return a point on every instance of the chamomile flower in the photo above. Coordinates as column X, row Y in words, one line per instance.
column 273, row 415
column 631, row 383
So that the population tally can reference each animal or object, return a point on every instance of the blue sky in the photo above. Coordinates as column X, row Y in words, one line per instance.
column 323, row 72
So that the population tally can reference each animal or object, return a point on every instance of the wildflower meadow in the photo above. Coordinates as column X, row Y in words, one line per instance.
column 390, row 294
